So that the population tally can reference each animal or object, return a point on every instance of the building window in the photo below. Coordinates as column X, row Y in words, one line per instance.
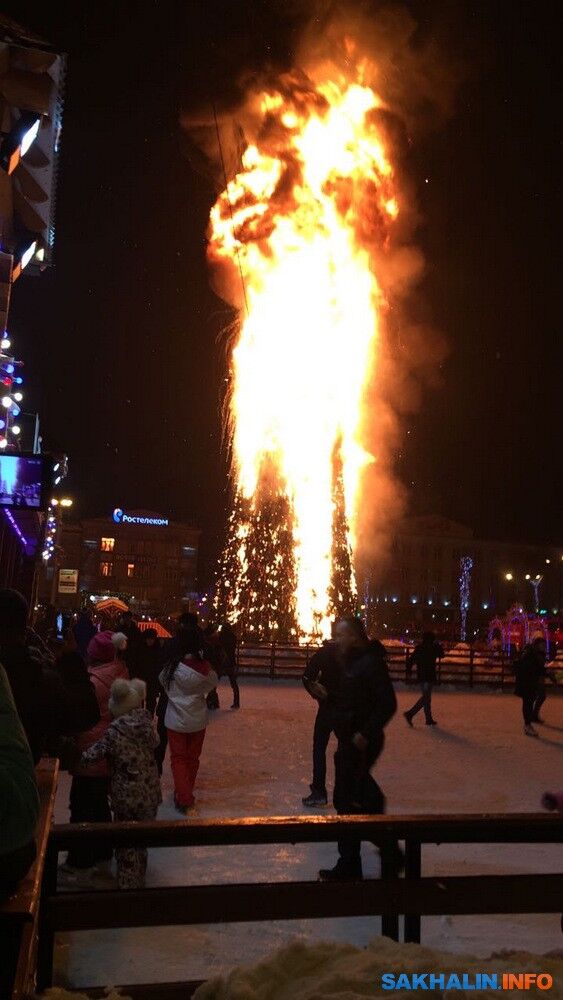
column 107, row 544
column 130, row 569
column 188, row 551
column 106, row 569
column 90, row 543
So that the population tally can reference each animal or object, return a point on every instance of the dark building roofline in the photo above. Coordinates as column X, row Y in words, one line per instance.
column 12, row 32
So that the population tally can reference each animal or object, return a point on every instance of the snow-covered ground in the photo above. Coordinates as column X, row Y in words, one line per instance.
column 256, row 762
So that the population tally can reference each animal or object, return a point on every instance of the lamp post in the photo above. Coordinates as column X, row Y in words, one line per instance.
column 62, row 504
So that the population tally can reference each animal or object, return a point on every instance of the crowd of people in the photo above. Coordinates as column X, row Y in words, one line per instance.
column 108, row 703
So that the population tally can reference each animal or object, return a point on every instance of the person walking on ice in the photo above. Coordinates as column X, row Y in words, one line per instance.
column 364, row 703
column 424, row 657
column 530, row 671
column 321, row 679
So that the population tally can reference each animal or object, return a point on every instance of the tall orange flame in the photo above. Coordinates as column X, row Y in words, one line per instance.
column 316, row 188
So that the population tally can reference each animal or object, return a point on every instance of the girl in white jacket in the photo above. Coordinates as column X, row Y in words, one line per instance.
column 187, row 683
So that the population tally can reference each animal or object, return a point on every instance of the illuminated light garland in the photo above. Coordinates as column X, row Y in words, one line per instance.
column 16, row 527
column 50, row 534
column 11, row 380
column 466, row 565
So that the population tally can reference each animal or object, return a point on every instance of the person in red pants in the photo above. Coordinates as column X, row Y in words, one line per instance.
column 187, row 682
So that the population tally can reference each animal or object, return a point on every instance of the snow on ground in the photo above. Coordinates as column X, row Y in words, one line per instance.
column 256, row 762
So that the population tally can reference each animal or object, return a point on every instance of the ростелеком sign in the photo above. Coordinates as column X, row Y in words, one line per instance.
column 120, row 517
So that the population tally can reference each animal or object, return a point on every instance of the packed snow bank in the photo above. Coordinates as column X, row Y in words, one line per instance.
column 343, row 972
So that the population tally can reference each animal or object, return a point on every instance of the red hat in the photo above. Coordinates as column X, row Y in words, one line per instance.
column 101, row 648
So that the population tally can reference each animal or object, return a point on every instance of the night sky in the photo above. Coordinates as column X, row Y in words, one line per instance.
column 120, row 338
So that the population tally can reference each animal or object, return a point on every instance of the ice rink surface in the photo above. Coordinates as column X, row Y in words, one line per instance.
column 257, row 762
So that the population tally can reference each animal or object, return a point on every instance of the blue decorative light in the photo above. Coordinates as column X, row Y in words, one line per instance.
column 466, row 565
column 16, row 527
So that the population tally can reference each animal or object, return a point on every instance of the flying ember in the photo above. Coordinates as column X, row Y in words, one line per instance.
column 297, row 226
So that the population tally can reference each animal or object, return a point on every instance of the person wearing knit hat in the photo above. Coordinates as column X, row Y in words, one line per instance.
column 126, row 695
column 90, row 786
column 128, row 745
column 120, row 643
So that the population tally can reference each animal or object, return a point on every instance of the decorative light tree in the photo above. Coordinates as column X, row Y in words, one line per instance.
column 466, row 565
column 536, row 587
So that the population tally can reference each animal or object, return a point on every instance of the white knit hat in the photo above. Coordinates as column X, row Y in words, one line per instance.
column 126, row 695
column 119, row 640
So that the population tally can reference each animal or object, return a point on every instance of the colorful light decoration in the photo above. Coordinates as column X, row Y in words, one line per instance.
column 466, row 565
column 50, row 534
column 8, row 378
column 16, row 527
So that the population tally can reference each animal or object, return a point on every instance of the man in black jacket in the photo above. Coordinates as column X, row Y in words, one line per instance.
column 424, row 657
column 47, row 708
column 531, row 672
column 321, row 679
column 364, row 703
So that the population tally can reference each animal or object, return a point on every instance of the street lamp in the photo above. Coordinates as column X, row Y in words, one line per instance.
column 508, row 576
column 63, row 503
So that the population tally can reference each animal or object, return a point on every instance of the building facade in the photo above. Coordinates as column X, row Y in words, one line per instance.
column 145, row 557
column 420, row 582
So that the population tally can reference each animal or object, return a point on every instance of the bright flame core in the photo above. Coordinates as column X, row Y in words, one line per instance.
column 299, row 222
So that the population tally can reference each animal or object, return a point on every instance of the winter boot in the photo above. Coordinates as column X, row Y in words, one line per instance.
column 529, row 730
column 341, row 872
column 315, row 799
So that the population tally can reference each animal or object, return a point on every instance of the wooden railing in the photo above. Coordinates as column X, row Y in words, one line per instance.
column 19, row 915
column 412, row 897
column 465, row 668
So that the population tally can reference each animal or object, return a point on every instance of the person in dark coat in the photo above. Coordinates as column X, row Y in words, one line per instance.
column 71, row 667
column 364, row 703
column 541, row 694
column 424, row 658
column 228, row 642
column 133, row 634
column 83, row 630
column 148, row 665
column 214, row 653
column 321, row 679
column 48, row 709
column 530, row 671
column 19, row 812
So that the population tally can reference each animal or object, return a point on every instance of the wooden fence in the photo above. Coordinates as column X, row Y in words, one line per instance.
column 390, row 897
column 470, row 668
